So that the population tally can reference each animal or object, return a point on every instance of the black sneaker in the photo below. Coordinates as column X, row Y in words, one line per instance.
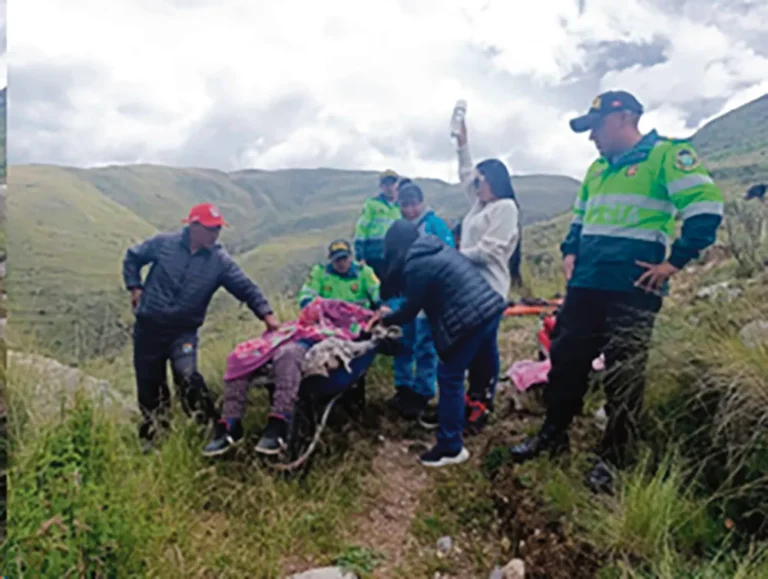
column 407, row 403
column 273, row 438
column 224, row 438
column 437, row 457
column 396, row 402
column 550, row 438
column 428, row 419
column 600, row 479
column 148, row 445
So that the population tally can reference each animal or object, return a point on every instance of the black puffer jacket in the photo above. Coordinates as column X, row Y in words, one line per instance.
column 446, row 285
column 180, row 285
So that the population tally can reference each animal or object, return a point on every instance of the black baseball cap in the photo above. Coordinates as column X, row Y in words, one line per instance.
column 605, row 104
column 410, row 193
column 338, row 249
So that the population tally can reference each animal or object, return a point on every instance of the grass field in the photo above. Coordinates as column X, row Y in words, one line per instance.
column 84, row 501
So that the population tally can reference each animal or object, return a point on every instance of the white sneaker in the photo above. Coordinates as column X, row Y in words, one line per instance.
column 437, row 457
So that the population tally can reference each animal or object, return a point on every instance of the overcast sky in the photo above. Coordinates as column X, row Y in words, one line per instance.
column 233, row 84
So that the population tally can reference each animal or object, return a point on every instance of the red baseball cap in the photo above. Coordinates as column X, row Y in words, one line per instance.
column 207, row 215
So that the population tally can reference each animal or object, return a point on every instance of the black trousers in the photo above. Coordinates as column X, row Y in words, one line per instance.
column 620, row 325
column 153, row 348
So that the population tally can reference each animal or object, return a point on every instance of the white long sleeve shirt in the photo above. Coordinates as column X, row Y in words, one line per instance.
column 489, row 232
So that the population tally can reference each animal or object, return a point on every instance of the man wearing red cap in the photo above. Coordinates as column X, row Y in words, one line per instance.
column 187, row 267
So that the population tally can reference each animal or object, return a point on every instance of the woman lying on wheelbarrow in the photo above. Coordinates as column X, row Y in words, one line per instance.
column 352, row 291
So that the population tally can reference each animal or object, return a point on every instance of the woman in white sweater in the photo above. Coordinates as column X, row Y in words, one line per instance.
column 490, row 232
column 490, row 237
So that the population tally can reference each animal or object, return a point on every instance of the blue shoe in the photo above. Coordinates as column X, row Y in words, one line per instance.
column 437, row 457
column 224, row 438
column 273, row 438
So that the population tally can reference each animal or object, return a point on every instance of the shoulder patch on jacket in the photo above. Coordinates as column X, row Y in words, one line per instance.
column 686, row 159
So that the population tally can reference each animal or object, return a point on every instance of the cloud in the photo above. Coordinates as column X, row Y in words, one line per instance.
column 3, row 49
column 232, row 84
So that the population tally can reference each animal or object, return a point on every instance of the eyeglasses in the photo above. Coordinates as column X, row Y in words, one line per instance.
column 477, row 181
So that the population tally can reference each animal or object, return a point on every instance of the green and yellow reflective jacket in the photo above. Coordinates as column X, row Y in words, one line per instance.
column 359, row 285
column 378, row 214
column 625, row 212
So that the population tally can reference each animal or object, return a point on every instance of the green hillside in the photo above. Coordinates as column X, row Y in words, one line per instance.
column 163, row 195
column 263, row 204
column 736, row 145
column 736, row 136
column 72, row 226
column 67, row 240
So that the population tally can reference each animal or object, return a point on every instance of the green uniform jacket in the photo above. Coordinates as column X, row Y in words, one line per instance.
column 359, row 285
column 625, row 212
column 378, row 214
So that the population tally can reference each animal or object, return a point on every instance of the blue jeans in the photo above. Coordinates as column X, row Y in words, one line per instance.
column 417, row 347
column 478, row 353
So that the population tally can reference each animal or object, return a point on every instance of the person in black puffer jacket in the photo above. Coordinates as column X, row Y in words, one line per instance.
column 464, row 313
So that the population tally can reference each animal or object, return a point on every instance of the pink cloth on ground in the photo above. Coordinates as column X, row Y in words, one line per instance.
column 320, row 319
column 527, row 373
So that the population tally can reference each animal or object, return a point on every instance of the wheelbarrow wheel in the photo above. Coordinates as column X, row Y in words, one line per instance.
column 301, row 432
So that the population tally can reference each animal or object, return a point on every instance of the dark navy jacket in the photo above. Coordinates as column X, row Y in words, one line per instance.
column 447, row 286
column 180, row 285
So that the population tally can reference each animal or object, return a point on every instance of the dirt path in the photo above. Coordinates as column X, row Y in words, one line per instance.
column 394, row 487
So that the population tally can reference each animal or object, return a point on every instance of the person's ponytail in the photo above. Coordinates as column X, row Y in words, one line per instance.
column 516, row 261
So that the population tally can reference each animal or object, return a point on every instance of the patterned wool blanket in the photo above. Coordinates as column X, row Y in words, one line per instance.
column 333, row 353
column 319, row 320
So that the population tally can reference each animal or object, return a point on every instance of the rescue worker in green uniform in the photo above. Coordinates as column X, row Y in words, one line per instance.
column 341, row 279
column 378, row 214
column 617, row 267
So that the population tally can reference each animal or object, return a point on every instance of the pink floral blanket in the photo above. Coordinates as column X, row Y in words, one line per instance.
column 319, row 320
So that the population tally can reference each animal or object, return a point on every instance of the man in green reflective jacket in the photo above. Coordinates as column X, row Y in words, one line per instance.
column 378, row 214
column 617, row 267
column 341, row 279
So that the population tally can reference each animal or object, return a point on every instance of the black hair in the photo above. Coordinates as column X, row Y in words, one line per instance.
column 498, row 179
column 404, row 181
column 398, row 240
column 515, row 262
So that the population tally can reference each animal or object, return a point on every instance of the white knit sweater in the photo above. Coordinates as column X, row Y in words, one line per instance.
column 489, row 232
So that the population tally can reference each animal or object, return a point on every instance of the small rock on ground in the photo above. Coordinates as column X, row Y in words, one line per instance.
column 755, row 334
column 444, row 545
column 719, row 289
column 324, row 573
column 515, row 569
column 56, row 383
